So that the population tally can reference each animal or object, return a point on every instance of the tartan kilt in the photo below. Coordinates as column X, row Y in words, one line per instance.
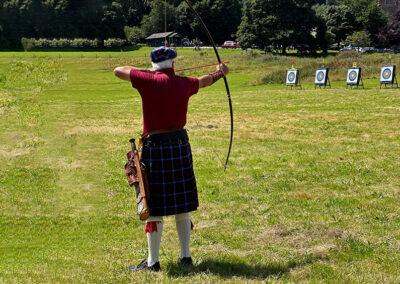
column 171, row 179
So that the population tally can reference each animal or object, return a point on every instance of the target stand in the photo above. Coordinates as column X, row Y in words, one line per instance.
column 293, row 78
column 354, row 78
column 322, row 78
column 388, row 76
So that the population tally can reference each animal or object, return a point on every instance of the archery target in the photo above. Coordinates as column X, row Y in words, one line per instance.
column 388, row 74
column 353, row 76
column 292, row 77
column 321, row 77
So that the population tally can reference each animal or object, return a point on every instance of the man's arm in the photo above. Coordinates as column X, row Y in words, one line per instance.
column 208, row 80
column 124, row 72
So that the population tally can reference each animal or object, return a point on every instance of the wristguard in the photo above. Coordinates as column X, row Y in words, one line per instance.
column 217, row 75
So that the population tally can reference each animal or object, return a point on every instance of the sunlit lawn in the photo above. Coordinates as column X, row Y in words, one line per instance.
column 312, row 192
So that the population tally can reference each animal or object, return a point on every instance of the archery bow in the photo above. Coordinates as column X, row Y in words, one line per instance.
column 228, row 93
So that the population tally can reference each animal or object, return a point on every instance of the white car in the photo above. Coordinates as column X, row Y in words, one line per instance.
column 230, row 44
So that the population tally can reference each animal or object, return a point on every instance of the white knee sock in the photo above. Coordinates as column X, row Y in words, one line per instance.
column 184, row 226
column 154, row 228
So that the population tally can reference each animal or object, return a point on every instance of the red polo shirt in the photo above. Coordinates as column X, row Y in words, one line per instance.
column 165, row 98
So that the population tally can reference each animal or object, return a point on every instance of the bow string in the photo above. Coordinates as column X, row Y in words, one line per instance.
column 228, row 93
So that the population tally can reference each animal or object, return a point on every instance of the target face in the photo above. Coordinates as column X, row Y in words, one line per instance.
column 321, row 77
column 388, row 74
column 291, row 77
column 353, row 76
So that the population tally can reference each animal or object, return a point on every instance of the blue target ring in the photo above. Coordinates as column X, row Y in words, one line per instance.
column 387, row 74
column 291, row 77
column 320, row 76
column 353, row 75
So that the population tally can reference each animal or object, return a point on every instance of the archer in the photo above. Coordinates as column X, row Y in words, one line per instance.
column 166, row 151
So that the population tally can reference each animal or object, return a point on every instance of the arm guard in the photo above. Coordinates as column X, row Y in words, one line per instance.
column 216, row 76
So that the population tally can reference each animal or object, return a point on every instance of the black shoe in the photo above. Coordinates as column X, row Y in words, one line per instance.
column 186, row 261
column 144, row 266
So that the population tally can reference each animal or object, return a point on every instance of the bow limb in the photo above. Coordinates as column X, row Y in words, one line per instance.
column 228, row 93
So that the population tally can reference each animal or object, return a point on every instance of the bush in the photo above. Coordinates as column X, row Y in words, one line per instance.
column 134, row 35
column 114, row 43
column 30, row 44
column 360, row 39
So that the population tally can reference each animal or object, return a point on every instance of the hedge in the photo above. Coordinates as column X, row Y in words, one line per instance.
column 31, row 44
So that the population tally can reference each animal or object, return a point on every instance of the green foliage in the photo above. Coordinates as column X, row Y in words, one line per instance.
column 264, row 23
column 222, row 18
column 369, row 15
column 339, row 20
column 154, row 22
column 374, row 20
column 114, row 43
column 278, row 23
column 30, row 44
column 360, row 38
column 134, row 35
column 76, row 19
column 390, row 35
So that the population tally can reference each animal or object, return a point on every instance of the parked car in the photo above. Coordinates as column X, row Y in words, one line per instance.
column 367, row 50
column 230, row 44
column 349, row 48
column 385, row 50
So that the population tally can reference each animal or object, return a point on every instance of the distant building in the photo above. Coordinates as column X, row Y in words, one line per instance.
column 159, row 39
column 390, row 6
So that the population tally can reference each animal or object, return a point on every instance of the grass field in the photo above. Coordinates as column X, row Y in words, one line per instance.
column 312, row 192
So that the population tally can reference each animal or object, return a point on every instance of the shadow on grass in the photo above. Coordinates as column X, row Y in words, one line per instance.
column 229, row 269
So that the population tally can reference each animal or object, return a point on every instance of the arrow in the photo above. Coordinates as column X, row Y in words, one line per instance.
column 199, row 67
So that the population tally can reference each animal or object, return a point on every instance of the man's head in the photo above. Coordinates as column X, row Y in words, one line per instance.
column 162, row 57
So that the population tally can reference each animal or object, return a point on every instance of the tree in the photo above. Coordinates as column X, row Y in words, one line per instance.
column 134, row 10
column 339, row 20
column 369, row 15
column 373, row 21
column 67, row 18
column 390, row 35
column 155, row 21
column 279, row 23
column 134, row 35
column 112, row 21
column 222, row 18
column 359, row 38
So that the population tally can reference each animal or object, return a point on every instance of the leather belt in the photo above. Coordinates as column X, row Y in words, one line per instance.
column 168, row 138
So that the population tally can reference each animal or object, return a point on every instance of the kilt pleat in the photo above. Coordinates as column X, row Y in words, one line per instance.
column 172, row 183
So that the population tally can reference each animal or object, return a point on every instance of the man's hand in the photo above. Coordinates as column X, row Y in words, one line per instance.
column 124, row 73
column 222, row 67
column 210, row 79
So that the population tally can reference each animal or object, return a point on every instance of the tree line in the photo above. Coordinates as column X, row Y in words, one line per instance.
column 307, row 25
